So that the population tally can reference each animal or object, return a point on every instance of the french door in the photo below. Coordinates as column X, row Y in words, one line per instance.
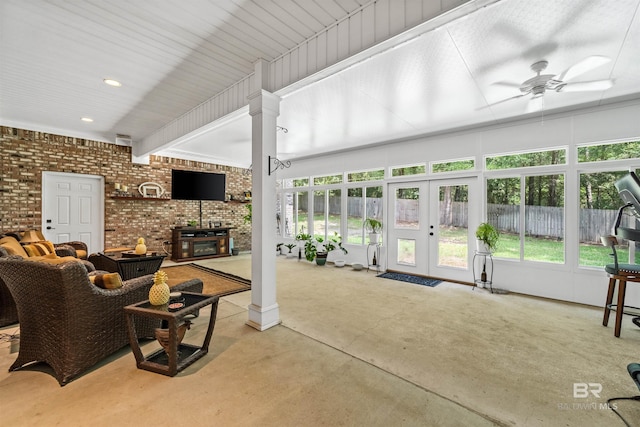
column 429, row 230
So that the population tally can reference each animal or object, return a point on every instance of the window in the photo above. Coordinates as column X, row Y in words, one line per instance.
column 541, row 199
column 355, row 216
column 457, row 165
column 359, row 208
column 407, row 208
column 599, row 204
column 544, row 218
column 409, row 170
column 301, row 182
column 613, row 151
column 290, row 207
column 319, row 222
column 302, row 211
column 503, row 212
column 522, row 160
column 372, row 175
column 329, row 179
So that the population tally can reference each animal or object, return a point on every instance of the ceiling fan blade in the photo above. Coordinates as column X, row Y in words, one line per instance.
column 507, row 84
column 503, row 100
column 587, row 64
column 594, row 85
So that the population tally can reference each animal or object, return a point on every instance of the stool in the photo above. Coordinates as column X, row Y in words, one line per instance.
column 626, row 273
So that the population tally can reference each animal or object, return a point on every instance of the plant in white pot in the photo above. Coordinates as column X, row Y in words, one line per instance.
column 374, row 227
column 487, row 238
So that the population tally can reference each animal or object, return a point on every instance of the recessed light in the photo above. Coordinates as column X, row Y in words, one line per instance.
column 112, row 82
column 87, row 119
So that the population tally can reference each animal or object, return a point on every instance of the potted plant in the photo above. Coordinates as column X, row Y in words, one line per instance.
column 279, row 248
column 487, row 237
column 305, row 241
column 374, row 227
column 290, row 246
column 247, row 217
column 318, row 248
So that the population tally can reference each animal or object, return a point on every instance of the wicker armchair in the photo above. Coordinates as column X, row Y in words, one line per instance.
column 8, row 310
column 65, row 320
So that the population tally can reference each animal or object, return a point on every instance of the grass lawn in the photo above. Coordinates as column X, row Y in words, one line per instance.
column 453, row 245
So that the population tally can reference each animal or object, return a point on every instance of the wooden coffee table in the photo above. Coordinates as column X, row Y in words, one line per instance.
column 177, row 356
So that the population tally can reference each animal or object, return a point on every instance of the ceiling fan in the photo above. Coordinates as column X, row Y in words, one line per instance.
column 541, row 83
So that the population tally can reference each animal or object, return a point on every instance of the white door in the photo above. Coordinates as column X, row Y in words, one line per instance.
column 408, row 228
column 429, row 231
column 453, row 205
column 73, row 208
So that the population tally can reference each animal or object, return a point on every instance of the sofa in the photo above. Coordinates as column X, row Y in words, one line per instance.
column 75, row 249
column 69, row 321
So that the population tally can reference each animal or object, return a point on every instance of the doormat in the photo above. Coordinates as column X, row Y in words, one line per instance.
column 416, row 280
column 215, row 282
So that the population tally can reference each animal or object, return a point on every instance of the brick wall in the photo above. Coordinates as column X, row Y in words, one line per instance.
column 25, row 154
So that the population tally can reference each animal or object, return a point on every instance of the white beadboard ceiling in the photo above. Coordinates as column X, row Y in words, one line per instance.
column 350, row 72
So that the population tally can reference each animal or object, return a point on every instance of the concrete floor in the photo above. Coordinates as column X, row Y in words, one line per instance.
column 356, row 350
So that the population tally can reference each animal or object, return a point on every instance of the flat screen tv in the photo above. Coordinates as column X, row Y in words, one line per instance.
column 191, row 185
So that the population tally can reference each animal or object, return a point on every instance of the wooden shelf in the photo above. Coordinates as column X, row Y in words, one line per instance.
column 138, row 198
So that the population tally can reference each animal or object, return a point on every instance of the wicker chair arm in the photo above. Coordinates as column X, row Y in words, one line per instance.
column 62, row 249
column 74, row 244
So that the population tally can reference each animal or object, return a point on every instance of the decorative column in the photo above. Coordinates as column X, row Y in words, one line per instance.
column 264, row 108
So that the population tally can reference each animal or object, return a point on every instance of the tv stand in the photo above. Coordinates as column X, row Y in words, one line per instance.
column 191, row 243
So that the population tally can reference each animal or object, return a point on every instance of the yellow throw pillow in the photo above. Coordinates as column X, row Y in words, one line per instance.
column 107, row 281
column 12, row 246
column 48, row 245
column 36, row 249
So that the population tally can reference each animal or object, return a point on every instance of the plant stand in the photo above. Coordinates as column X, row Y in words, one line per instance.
column 373, row 248
column 477, row 278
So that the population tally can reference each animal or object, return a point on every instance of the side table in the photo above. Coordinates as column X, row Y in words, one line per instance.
column 178, row 355
column 478, row 279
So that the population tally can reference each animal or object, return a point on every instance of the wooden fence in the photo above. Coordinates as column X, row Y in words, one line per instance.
column 539, row 220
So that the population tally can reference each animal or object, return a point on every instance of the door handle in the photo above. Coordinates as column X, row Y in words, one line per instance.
column 431, row 234
column 50, row 227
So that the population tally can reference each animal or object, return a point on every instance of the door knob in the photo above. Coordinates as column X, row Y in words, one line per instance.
column 50, row 227
column 430, row 234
